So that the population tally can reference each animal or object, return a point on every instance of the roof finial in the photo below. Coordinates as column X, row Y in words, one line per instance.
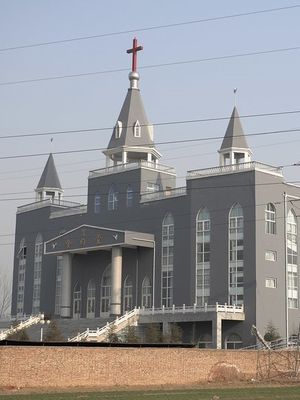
column 234, row 96
column 133, row 75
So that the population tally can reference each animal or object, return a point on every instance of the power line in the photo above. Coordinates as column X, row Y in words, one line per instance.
column 182, row 62
column 157, row 143
column 164, row 123
column 149, row 28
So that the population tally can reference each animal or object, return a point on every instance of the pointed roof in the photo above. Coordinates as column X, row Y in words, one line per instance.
column 49, row 178
column 234, row 136
column 131, row 112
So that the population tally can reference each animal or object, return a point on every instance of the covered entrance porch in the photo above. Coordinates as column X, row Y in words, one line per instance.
column 87, row 240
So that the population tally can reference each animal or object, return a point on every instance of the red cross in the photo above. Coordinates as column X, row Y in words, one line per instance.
column 134, row 50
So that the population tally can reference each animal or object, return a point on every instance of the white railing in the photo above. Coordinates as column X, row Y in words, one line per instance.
column 233, row 168
column 115, row 169
column 192, row 309
column 165, row 194
column 100, row 334
column 32, row 320
column 277, row 344
column 46, row 203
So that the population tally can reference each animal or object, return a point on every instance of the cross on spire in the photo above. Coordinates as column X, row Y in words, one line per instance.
column 134, row 50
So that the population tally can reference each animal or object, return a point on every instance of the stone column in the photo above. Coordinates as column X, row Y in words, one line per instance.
column 116, row 281
column 217, row 332
column 66, row 283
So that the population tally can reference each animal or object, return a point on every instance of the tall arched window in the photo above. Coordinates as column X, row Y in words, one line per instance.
column 37, row 274
column 97, row 203
column 167, row 261
column 146, row 293
column 236, row 255
column 91, row 297
column 202, row 257
column 77, row 301
column 137, row 129
column 128, row 299
column 22, row 254
column 129, row 196
column 292, row 262
column 105, row 292
column 270, row 219
column 113, row 198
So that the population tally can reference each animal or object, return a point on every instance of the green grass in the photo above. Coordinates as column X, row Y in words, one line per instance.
column 253, row 393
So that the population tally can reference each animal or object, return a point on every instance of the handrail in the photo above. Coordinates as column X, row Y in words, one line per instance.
column 32, row 320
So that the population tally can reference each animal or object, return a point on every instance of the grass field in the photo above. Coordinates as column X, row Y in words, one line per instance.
column 253, row 393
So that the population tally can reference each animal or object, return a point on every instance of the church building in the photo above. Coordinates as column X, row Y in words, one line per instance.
column 215, row 256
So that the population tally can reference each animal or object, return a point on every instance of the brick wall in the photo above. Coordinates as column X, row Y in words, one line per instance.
column 62, row 367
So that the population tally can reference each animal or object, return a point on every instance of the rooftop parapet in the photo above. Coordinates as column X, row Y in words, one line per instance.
column 116, row 169
column 233, row 169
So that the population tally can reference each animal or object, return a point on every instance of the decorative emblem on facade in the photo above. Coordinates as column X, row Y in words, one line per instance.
column 68, row 243
column 115, row 236
column 54, row 245
column 99, row 238
column 82, row 242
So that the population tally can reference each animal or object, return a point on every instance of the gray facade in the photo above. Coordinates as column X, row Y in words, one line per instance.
column 229, row 237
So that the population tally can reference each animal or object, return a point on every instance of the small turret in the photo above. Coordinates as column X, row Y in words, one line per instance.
column 234, row 148
column 49, row 186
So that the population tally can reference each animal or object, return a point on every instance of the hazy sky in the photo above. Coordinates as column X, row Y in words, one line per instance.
column 266, row 83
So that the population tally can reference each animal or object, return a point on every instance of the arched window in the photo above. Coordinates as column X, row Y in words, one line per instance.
column 236, row 255
column 292, row 259
column 127, row 300
column 270, row 219
column 91, row 297
column 202, row 257
column 146, row 293
column 97, row 203
column 167, row 261
column 233, row 342
column 129, row 196
column 77, row 301
column 118, row 129
column 137, row 129
column 105, row 292
column 37, row 274
column 113, row 198
column 22, row 254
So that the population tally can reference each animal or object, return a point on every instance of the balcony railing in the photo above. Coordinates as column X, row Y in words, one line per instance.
column 165, row 194
column 47, row 203
column 79, row 209
column 225, row 308
column 115, row 169
column 234, row 168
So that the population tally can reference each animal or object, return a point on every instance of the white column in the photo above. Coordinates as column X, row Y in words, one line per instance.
column 149, row 157
column 217, row 332
column 116, row 280
column 124, row 157
column 66, row 282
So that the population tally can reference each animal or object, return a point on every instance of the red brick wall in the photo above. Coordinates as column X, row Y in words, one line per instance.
column 122, row 367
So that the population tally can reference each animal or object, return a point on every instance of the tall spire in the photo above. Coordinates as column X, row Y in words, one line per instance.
column 234, row 148
column 132, row 137
column 49, row 185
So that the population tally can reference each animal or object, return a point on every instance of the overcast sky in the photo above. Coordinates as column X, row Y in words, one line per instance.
column 267, row 83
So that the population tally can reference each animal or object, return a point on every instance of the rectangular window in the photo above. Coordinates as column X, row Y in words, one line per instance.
column 152, row 187
column 270, row 255
column 271, row 283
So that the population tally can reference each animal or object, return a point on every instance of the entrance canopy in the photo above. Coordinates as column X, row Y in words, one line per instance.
column 92, row 238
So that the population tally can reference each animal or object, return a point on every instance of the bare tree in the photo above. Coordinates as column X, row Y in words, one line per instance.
column 5, row 294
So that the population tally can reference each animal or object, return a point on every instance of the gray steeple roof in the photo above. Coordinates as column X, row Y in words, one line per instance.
column 234, row 136
column 49, row 178
column 131, row 112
